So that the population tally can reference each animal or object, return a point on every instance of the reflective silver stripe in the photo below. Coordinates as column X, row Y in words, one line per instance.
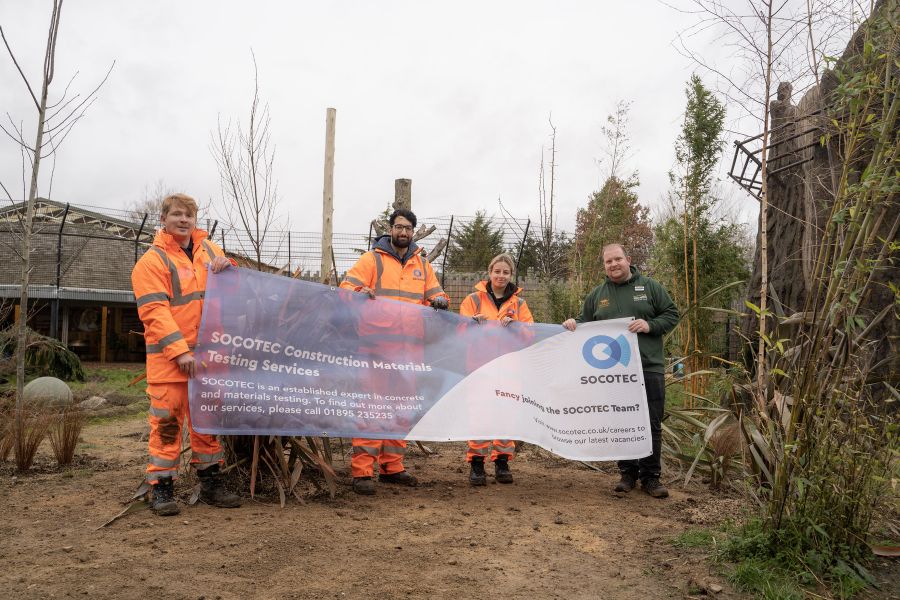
column 506, row 447
column 209, row 249
column 173, row 271
column 163, row 462
column 206, row 458
column 481, row 451
column 179, row 300
column 166, row 341
column 521, row 302
column 161, row 413
column 354, row 281
column 433, row 291
column 152, row 297
column 379, row 270
column 365, row 450
column 477, row 298
column 385, row 449
column 156, row 475
column 380, row 291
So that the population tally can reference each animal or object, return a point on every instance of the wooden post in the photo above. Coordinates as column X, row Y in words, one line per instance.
column 103, row 323
column 328, row 195
column 403, row 194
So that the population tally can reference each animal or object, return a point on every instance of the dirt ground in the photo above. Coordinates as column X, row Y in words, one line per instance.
column 557, row 532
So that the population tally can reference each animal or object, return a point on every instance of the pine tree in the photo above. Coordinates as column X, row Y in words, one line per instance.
column 475, row 245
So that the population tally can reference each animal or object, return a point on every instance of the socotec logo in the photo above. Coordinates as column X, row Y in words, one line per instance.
column 618, row 351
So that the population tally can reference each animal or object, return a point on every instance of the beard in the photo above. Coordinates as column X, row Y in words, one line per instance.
column 400, row 242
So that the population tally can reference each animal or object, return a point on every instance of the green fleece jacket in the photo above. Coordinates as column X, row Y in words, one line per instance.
column 642, row 298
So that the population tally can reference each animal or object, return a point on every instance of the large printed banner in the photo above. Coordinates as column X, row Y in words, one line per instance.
column 277, row 356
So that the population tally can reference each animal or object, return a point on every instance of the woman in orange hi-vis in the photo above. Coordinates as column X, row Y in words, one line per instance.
column 496, row 299
column 169, row 283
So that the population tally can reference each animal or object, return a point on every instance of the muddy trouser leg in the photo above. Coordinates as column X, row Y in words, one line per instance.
column 650, row 466
column 206, row 450
column 166, row 414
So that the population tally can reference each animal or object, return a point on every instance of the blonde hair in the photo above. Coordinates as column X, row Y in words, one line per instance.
column 505, row 258
column 180, row 200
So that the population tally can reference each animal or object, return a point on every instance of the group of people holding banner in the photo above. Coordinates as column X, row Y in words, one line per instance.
column 169, row 284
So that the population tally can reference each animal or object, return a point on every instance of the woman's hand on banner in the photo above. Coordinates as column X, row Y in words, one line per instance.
column 479, row 318
column 369, row 291
column 570, row 324
column 506, row 321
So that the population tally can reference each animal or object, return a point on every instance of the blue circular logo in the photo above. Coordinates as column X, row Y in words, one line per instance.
column 618, row 351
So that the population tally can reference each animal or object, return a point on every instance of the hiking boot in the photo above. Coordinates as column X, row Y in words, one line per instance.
column 400, row 478
column 477, row 475
column 626, row 483
column 212, row 489
column 364, row 486
column 501, row 470
column 163, row 498
column 653, row 487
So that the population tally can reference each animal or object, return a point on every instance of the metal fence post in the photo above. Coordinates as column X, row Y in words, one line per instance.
column 521, row 248
column 446, row 251
column 54, row 304
column 137, row 238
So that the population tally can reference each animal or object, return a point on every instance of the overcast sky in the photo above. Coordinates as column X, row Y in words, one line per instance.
column 455, row 96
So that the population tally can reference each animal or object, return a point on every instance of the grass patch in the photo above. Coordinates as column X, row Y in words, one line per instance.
column 767, row 569
column 770, row 569
column 765, row 580
column 107, row 381
column 695, row 538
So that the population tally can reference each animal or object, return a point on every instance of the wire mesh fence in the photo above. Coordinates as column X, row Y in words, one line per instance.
column 83, row 246
column 87, row 253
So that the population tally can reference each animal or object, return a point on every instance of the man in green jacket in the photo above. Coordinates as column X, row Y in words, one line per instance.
column 627, row 293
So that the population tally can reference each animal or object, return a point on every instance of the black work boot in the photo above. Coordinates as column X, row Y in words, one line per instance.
column 652, row 486
column 364, row 486
column 501, row 470
column 212, row 489
column 626, row 483
column 400, row 478
column 162, row 500
column 477, row 475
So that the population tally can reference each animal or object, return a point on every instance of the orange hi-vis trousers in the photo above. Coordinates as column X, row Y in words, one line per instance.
column 168, row 410
column 504, row 448
column 388, row 453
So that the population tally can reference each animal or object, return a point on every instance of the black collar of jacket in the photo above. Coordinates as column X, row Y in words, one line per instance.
column 507, row 293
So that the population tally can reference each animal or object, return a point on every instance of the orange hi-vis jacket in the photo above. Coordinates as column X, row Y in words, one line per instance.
column 410, row 280
column 480, row 302
column 169, row 290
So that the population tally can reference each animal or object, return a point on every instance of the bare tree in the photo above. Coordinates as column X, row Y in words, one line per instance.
column 617, row 146
column 246, row 158
column 547, row 205
column 55, row 120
